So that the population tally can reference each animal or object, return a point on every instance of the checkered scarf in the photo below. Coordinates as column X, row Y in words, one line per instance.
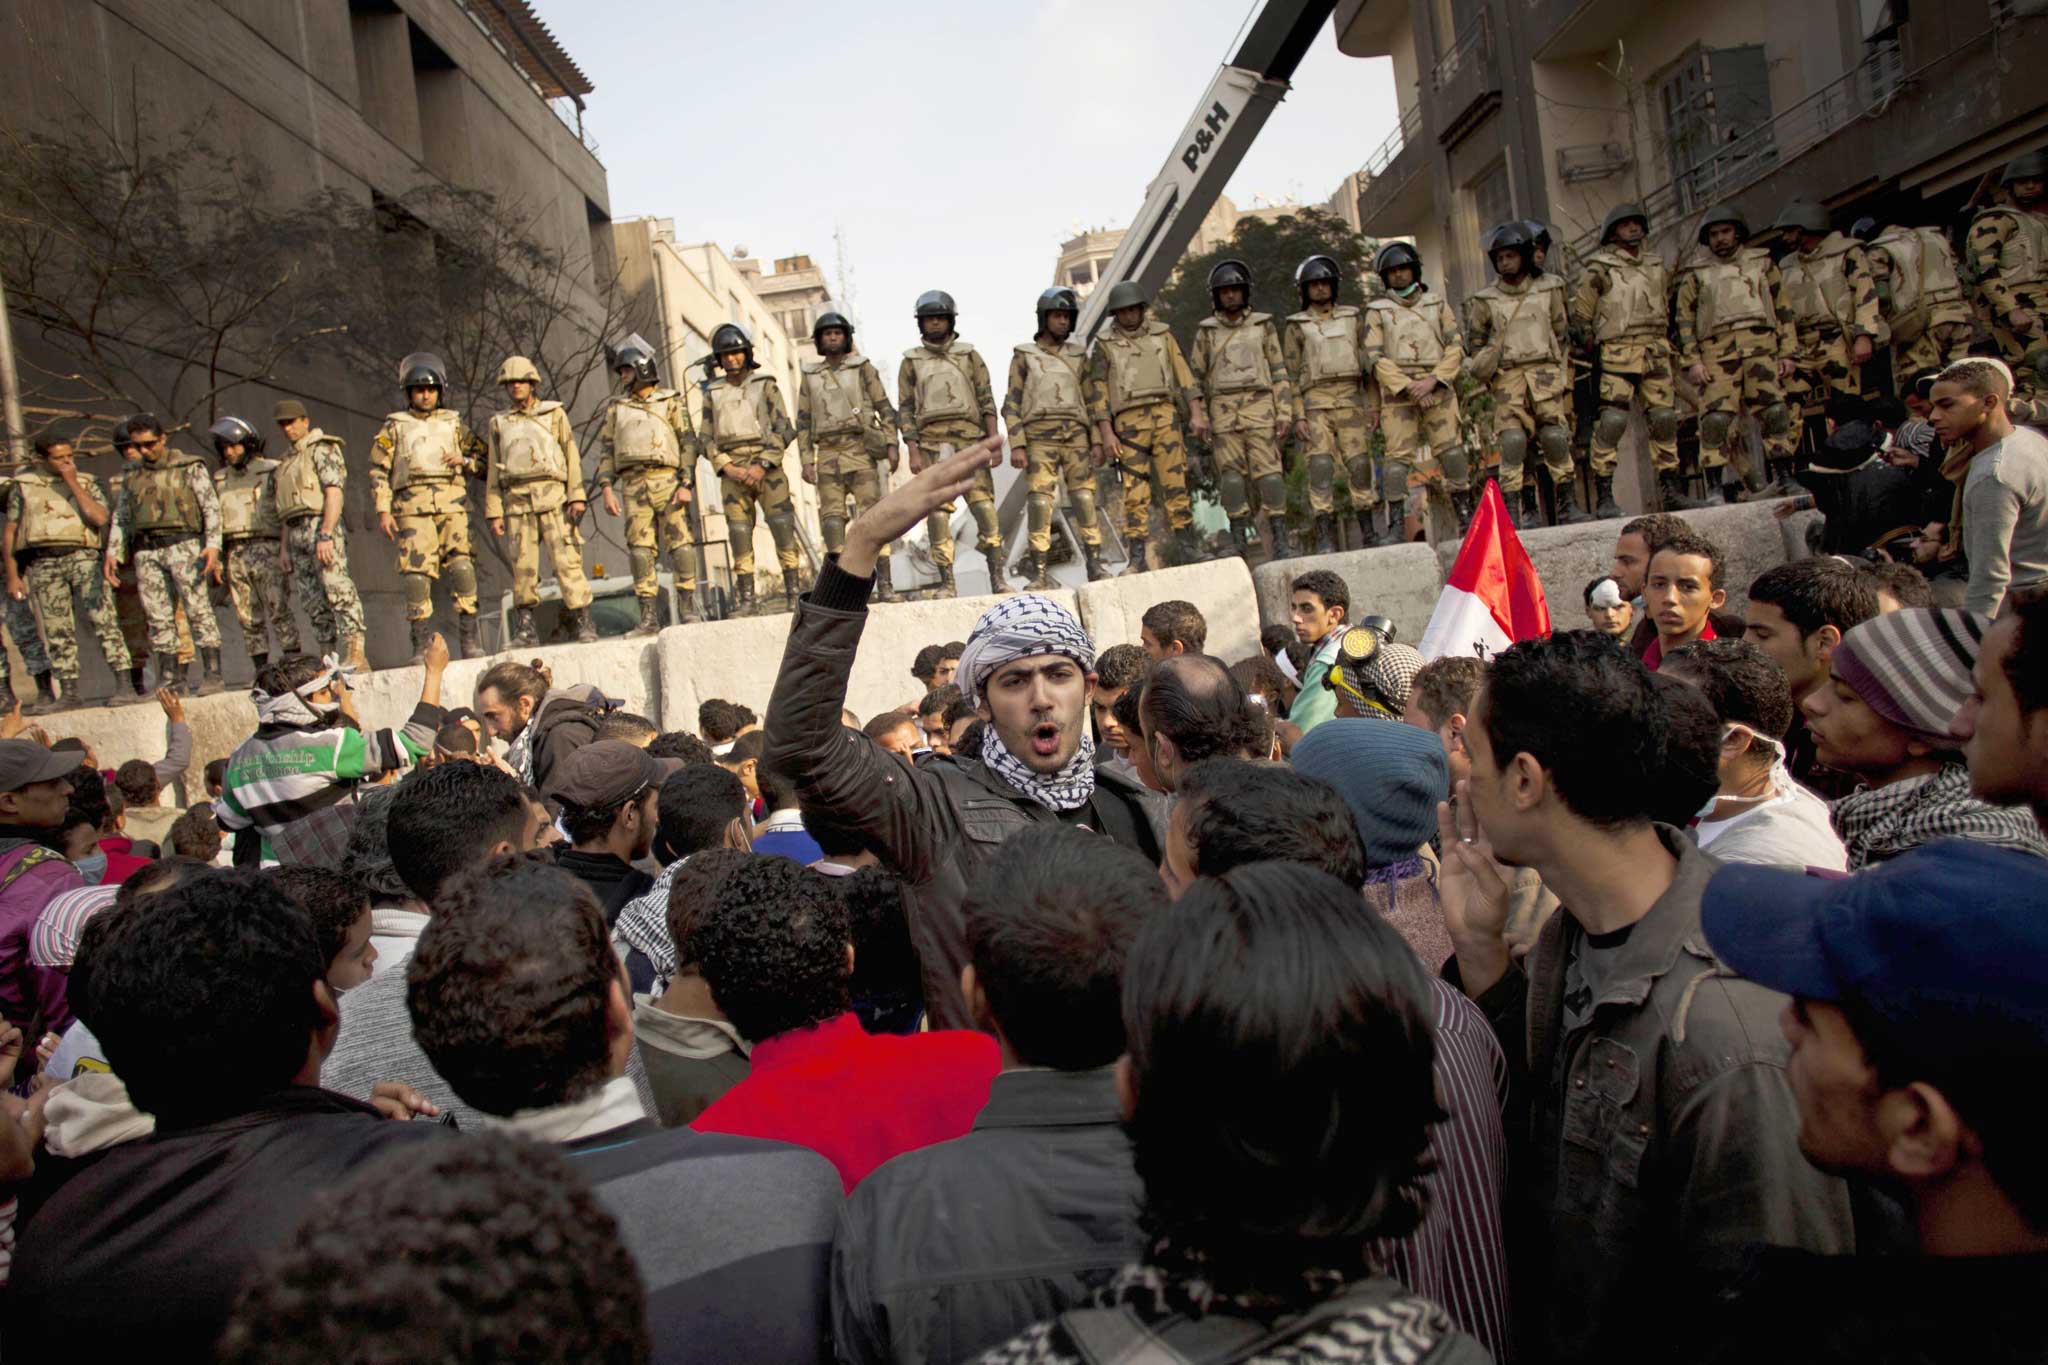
column 1018, row 628
column 1877, row 823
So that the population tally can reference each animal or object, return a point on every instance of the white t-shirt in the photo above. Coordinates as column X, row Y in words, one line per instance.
column 1789, row 829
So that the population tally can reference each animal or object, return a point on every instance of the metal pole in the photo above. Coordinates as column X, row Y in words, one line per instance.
column 10, row 387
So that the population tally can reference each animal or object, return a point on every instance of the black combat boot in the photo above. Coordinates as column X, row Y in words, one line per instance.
column 1671, row 491
column 466, row 635
column 1397, row 517
column 46, row 693
column 1462, row 503
column 8, row 701
column 1039, row 567
column 210, row 679
column 523, row 633
column 1532, row 507
column 946, row 586
column 1604, row 505
column 1092, row 556
column 138, row 690
column 790, row 590
column 1187, row 545
column 650, row 621
column 1241, row 536
column 1276, row 530
column 1369, row 536
column 1326, row 533
column 1138, row 562
column 743, row 595
column 63, row 694
column 885, row 582
column 421, row 632
column 586, row 628
column 998, row 581
column 1569, row 512
column 686, row 606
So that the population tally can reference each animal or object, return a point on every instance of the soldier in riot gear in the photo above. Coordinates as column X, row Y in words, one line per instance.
column 945, row 398
column 846, row 435
column 2008, row 255
column 168, row 517
column 648, row 457
column 249, row 537
column 1135, row 369
column 1517, row 334
column 533, row 489
column 1249, row 405
column 1737, row 342
column 1919, row 293
column 1411, row 334
column 1052, row 432
column 20, row 618
column 1621, row 305
column 1832, row 298
column 746, row 432
column 55, row 514
column 418, row 466
column 1325, row 348
column 304, row 495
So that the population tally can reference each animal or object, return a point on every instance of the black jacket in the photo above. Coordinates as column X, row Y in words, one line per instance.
column 934, row 825
column 567, row 720
column 611, row 879
column 140, row 1255
column 949, row 1250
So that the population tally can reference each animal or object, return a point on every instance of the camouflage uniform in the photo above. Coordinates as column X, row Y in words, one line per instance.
column 59, row 553
column 944, row 397
column 1133, row 377
column 744, row 424
column 533, row 472
column 1731, row 318
column 19, row 615
column 1920, row 295
column 169, row 516
column 249, row 536
column 649, row 450
column 1517, row 335
column 1831, row 298
column 418, row 464
column 1622, row 304
column 1051, row 422
column 296, row 500
column 1325, row 349
column 1243, row 378
column 1409, row 339
column 2008, row 255
column 843, row 418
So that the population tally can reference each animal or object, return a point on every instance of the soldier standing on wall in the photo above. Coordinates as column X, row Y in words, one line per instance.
column 1411, row 334
column 21, row 623
column 1134, row 371
column 1053, row 433
column 533, row 489
column 55, row 516
column 305, row 496
column 846, row 435
column 649, row 457
column 1250, row 406
column 945, row 398
column 2008, row 254
column 1622, row 305
column 249, row 540
column 1832, row 297
column 1517, row 332
column 419, row 467
column 1920, row 294
column 168, row 516
column 746, row 433
column 1737, row 342
column 1325, row 348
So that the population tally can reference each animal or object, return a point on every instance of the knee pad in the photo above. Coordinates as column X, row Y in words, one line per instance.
column 1663, row 424
column 782, row 526
column 1777, row 419
column 1457, row 463
column 1273, row 494
column 1084, row 506
column 1555, row 443
column 419, row 592
column 984, row 513
column 643, row 561
column 461, row 576
column 1230, row 487
column 833, row 529
column 1611, row 426
column 1358, row 471
column 1038, row 509
column 1322, row 471
column 1394, row 481
column 1514, row 448
column 1714, row 429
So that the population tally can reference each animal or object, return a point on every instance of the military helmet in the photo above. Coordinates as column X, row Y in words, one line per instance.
column 2026, row 166
column 935, row 303
column 1513, row 236
column 637, row 355
column 1864, row 228
column 831, row 317
column 1539, row 232
column 731, row 337
column 1058, row 299
column 1124, row 294
column 1620, row 214
column 518, row 367
column 234, row 431
column 1395, row 254
column 1804, row 215
column 1228, row 274
column 1723, row 213
column 1315, row 270
column 422, row 370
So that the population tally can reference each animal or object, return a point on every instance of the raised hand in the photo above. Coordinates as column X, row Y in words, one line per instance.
column 939, row 483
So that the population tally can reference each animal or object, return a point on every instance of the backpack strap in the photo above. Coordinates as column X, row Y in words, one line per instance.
column 36, row 855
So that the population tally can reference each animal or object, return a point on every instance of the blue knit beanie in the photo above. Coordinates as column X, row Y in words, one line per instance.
column 1391, row 775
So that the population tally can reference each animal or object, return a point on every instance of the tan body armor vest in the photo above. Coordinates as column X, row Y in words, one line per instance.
column 299, row 493
column 1922, row 268
column 643, row 431
column 1521, row 326
column 428, row 449
column 1816, row 288
column 737, row 412
column 1412, row 335
column 50, row 520
column 241, row 498
column 1637, row 302
column 2023, row 256
column 1139, row 365
column 1237, row 355
column 1330, row 345
column 945, row 388
column 1052, row 383
column 527, row 448
column 837, row 395
column 161, row 500
column 1735, row 293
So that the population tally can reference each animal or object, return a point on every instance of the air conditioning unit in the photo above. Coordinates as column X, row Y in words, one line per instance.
column 1592, row 161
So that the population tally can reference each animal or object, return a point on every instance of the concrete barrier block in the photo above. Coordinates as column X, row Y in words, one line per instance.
column 1400, row 582
column 1221, row 589
column 738, row 659
column 119, row 733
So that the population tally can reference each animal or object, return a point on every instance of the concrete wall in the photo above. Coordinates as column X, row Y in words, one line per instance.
column 1400, row 582
column 1220, row 589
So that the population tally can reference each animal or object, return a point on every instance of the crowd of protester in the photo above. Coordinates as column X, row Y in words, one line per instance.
column 1664, row 989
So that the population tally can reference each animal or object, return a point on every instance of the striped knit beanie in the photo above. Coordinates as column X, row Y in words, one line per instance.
column 1913, row 667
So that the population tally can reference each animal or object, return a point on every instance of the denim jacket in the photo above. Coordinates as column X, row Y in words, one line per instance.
column 1667, row 1144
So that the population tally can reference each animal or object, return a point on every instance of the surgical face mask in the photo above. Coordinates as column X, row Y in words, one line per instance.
column 1407, row 291
column 92, row 867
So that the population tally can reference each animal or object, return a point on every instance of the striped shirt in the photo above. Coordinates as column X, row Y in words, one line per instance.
column 53, row 942
column 1457, row 1257
column 283, row 773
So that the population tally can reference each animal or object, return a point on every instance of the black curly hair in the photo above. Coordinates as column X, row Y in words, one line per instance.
column 690, row 890
column 221, row 966
column 486, row 1248
column 772, row 947
column 679, row 744
column 333, row 900
column 508, row 987
column 446, row 819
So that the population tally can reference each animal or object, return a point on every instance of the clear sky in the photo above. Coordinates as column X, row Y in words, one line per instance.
column 955, row 143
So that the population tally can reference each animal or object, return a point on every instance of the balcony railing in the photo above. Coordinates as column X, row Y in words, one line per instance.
column 1464, row 77
column 1404, row 132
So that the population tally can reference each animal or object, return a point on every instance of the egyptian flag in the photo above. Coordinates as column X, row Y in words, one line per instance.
column 1494, row 597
